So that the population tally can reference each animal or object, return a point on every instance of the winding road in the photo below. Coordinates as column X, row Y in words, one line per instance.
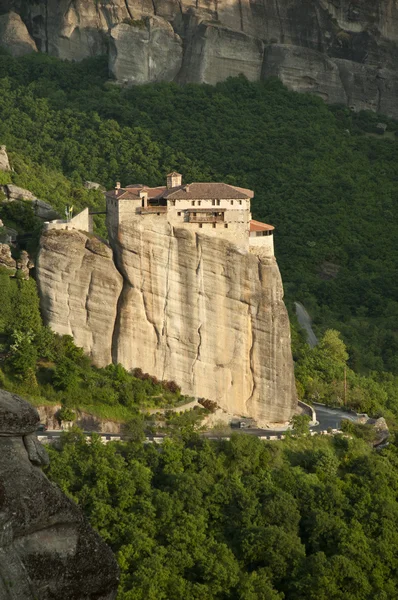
column 327, row 418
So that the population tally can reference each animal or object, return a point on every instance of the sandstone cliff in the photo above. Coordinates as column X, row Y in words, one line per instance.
column 79, row 287
column 47, row 550
column 193, row 309
column 342, row 50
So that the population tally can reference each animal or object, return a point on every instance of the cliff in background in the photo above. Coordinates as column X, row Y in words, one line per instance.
column 342, row 50
column 193, row 309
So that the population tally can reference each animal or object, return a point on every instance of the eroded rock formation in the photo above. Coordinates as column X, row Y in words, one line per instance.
column 4, row 160
column 6, row 260
column 80, row 288
column 342, row 50
column 13, row 193
column 186, row 307
column 47, row 550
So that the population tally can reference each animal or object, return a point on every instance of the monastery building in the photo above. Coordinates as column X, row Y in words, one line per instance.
column 218, row 209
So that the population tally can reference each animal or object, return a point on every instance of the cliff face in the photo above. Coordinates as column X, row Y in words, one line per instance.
column 47, row 550
column 194, row 309
column 80, row 287
column 343, row 50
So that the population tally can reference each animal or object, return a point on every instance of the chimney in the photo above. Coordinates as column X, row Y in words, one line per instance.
column 173, row 180
column 117, row 186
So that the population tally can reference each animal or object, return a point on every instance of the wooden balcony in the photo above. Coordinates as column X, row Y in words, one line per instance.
column 206, row 217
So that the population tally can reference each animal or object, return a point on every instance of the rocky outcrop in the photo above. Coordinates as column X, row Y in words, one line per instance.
column 14, row 35
column 215, row 53
column 47, row 550
column 145, row 51
column 186, row 307
column 79, row 286
column 4, row 161
column 6, row 260
column 42, row 209
column 49, row 417
column 343, row 50
column 24, row 264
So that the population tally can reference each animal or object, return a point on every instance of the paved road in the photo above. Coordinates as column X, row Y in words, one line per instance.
column 331, row 417
column 327, row 418
column 305, row 322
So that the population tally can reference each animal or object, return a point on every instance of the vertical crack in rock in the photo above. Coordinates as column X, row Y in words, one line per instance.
column 282, row 31
column 128, row 10
column 46, row 24
column 320, row 42
column 89, row 290
column 241, row 14
column 116, row 324
column 251, row 358
column 144, row 303
column 197, row 357
column 378, row 97
column 167, row 349
column 199, row 273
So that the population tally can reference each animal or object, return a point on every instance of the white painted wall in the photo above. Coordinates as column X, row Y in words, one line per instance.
column 81, row 222
column 264, row 242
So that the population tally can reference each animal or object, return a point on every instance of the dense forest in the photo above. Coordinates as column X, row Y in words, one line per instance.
column 303, row 519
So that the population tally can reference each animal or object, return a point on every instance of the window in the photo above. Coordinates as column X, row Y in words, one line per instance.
column 200, row 225
column 213, row 202
column 194, row 214
column 193, row 203
column 240, row 202
column 226, row 225
column 232, row 202
column 172, row 202
column 214, row 225
column 179, row 214
column 218, row 202
column 199, row 203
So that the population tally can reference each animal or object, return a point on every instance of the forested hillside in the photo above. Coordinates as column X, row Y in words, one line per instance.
column 303, row 519
column 321, row 175
column 306, row 519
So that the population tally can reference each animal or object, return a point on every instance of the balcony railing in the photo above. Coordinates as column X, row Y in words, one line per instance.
column 205, row 217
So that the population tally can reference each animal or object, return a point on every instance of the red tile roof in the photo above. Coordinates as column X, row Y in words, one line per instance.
column 258, row 226
column 191, row 191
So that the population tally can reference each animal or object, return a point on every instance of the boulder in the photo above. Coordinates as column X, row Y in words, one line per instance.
column 4, row 161
column 44, row 210
column 14, row 35
column 24, row 264
column 93, row 185
column 47, row 549
column 144, row 51
column 13, row 192
column 6, row 260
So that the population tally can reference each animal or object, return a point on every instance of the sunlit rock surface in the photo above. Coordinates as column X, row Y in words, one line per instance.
column 194, row 309
column 341, row 50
